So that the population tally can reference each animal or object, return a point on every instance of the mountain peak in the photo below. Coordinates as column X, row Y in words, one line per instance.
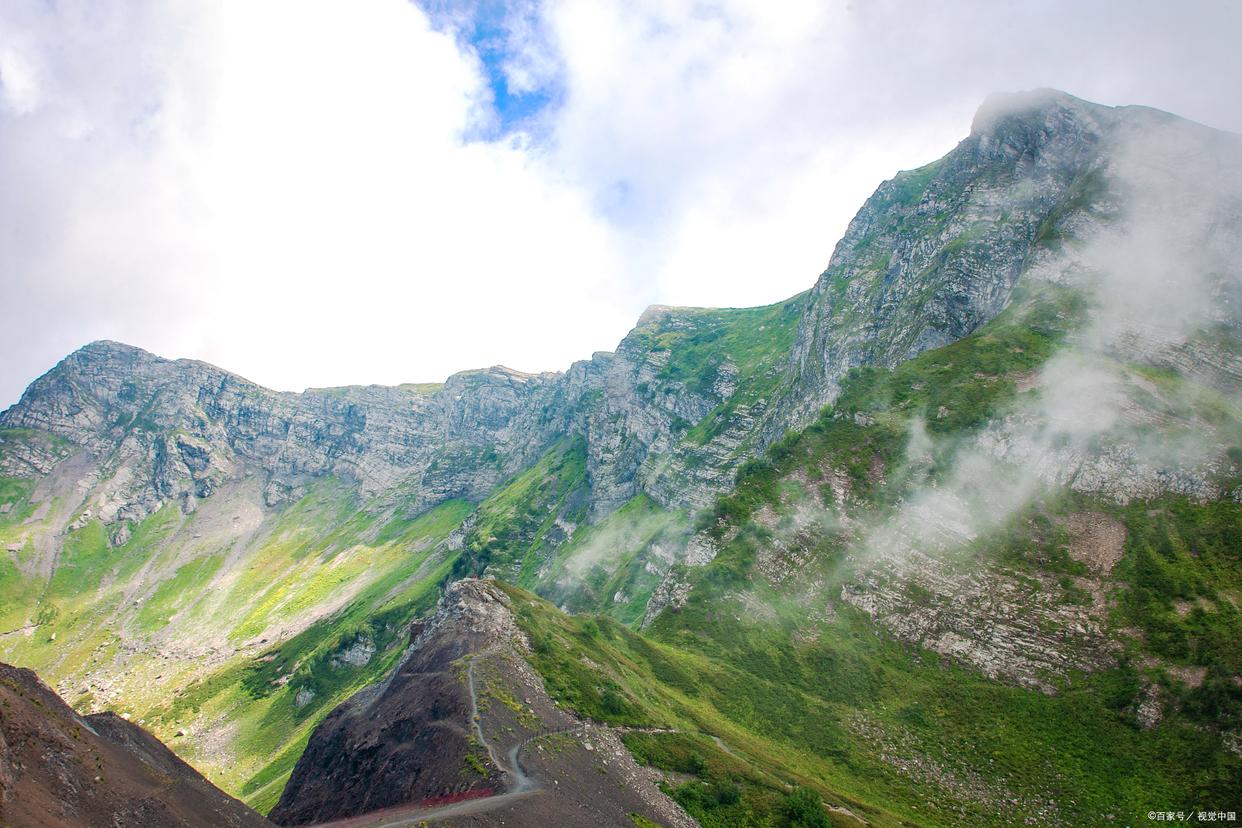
column 111, row 349
column 1000, row 106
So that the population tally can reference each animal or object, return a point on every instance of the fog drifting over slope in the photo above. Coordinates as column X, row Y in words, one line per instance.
column 1162, row 272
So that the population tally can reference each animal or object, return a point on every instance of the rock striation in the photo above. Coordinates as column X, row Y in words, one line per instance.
column 932, row 255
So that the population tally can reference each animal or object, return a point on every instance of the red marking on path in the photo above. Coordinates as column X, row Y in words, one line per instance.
column 449, row 799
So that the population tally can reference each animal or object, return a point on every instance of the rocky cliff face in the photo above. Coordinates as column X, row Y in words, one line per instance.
column 183, row 530
column 161, row 430
column 935, row 253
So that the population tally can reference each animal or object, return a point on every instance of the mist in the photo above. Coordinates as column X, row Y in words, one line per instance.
column 1160, row 271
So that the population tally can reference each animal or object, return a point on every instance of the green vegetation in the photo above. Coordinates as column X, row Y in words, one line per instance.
column 753, row 342
column 422, row 388
column 961, row 386
column 360, row 575
column 86, row 558
column 765, row 703
column 15, row 499
column 818, row 706
column 700, row 340
column 1183, row 568
column 186, row 584
column 513, row 534
column 607, row 561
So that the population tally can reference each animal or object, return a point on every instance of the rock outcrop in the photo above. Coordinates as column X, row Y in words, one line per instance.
column 932, row 255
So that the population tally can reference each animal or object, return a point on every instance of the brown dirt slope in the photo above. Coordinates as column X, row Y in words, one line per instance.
column 464, row 733
column 59, row 769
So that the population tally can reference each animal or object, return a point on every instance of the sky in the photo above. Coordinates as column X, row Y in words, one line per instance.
column 315, row 193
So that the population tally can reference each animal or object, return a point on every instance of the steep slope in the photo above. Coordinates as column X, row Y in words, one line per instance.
column 464, row 726
column 1058, row 636
column 937, row 251
column 61, row 769
column 687, row 397
column 882, row 624
column 161, row 431
column 231, row 563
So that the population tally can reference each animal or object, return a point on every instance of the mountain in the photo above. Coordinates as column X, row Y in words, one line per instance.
column 61, row 769
column 952, row 536
column 465, row 727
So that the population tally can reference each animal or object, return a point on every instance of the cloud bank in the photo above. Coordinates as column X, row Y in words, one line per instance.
column 315, row 193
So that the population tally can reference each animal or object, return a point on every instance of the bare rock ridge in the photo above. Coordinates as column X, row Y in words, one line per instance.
column 937, row 251
column 463, row 726
column 932, row 255
column 61, row 769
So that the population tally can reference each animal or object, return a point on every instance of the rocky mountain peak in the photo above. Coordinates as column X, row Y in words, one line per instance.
column 937, row 251
column 1002, row 110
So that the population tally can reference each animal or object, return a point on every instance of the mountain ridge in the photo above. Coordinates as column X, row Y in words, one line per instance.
column 935, row 443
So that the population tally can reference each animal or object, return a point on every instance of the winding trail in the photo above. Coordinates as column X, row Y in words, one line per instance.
column 521, row 785
column 476, row 720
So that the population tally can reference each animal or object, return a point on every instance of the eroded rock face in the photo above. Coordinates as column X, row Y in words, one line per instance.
column 160, row 430
column 960, row 233
column 930, row 257
column 114, row 433
column 1009, row 629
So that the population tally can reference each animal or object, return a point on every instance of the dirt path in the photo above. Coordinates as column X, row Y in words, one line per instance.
column 477, row 721
column 403, row 816
column 521, row 785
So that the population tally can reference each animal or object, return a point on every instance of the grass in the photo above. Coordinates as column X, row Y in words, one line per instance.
column 753, row 342
column 516, row 527
column 760, row 706
column 791, row 710
column 87, row 557
column 813, row 702
column 605, row 671
column 184, row 587
column 357, row 574
column 1183, row 576
column 607, row 561
column 700, row 340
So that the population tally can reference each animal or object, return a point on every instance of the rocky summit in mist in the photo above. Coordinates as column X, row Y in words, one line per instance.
column 952, row 538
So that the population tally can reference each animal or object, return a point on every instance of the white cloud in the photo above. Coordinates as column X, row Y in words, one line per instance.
column 358, row 224
column 288, row 189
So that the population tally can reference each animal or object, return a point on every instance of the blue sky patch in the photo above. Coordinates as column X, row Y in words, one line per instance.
column 517, row 58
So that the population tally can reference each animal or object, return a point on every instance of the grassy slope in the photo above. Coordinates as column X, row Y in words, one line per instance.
column 808, row 701
column 326, row 577
column 604, row 567
column 609, row 567
column 754, row 342
column 816, row 701
column 516, row 527
column 136, row 613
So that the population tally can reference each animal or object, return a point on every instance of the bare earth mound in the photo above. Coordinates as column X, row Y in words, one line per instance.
column 464, row 730
column 61, row 769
